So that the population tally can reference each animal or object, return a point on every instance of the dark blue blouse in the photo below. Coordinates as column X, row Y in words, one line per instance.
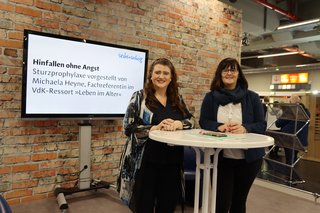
column 162, row 153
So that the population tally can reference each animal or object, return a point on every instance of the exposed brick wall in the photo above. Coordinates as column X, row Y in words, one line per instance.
column 35, row 155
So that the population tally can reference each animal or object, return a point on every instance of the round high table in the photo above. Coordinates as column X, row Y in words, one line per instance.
column 211, row 146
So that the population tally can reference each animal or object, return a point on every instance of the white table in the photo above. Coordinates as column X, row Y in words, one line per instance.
column 210, row 146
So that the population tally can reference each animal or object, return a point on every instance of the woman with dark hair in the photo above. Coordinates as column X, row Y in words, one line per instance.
column 151, row 172
column 231, row 107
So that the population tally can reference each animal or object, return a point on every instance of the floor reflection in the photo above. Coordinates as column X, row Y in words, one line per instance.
column 306, row 169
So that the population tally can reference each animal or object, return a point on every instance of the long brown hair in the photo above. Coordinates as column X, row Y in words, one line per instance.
column 172, row 90
column 225, row 63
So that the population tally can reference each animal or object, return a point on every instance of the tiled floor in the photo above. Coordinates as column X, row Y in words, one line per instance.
column 260, row 200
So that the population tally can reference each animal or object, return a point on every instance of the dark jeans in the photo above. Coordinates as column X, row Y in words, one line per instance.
column 291, row 155
column 235, row 178
column 274, row 152
column 157, row 188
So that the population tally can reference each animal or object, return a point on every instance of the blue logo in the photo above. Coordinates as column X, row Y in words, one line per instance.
column 130, row 57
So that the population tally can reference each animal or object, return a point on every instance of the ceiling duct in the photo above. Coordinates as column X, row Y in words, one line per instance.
column 277, row 9
column 282, row 36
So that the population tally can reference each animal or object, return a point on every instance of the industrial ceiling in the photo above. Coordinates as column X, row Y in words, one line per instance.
column 268, row 48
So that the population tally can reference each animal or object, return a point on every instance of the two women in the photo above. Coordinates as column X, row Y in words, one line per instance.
column 151, row 171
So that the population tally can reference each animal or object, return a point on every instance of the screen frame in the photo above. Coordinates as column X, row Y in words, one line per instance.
column 81, row 116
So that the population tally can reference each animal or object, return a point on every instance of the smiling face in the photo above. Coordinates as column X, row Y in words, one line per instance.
column 229, row 77
column 161, row 76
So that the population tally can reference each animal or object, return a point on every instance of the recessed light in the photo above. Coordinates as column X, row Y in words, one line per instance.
column 299, row 24
column 277, row 54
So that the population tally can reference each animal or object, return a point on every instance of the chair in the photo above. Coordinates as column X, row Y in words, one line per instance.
column 189, row 166
column 4, row 206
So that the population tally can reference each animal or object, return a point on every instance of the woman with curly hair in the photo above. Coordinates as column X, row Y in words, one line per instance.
column 151, row 172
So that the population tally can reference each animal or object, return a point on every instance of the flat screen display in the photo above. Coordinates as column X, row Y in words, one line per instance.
column 66, row 77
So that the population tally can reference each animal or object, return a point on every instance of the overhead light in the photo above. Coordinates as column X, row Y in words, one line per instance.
column 270, row 55
column 277, row 54
column 301, row 65
column 311, row 21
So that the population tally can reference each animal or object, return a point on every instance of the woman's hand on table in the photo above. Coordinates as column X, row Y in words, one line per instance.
column 232, row 127
column 168, row 125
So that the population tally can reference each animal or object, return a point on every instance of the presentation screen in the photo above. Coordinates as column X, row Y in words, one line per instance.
column 66, row 77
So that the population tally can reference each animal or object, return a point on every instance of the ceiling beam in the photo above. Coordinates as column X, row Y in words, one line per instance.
column 270, row 42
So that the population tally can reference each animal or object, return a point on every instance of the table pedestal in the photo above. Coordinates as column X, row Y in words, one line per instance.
column 209, row 190
column 211, row 146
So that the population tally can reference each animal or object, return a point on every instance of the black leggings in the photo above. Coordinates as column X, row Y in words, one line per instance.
column 235, row 178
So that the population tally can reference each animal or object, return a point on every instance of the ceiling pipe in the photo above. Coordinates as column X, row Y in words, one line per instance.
column 278, row 10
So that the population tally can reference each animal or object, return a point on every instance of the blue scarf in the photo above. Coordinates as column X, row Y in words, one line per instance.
column 225, row 96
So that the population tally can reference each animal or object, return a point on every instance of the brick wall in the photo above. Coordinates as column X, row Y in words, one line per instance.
column 35, row 155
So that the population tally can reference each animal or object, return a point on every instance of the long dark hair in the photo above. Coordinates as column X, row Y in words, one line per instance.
column 172, row 90
column 233, row 64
